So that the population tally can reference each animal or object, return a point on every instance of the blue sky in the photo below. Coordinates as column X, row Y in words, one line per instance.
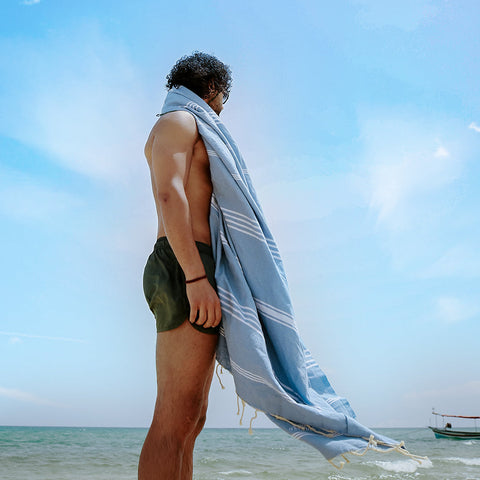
column 360, row 123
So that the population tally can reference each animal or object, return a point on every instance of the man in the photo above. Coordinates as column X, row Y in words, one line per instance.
column 179, row 280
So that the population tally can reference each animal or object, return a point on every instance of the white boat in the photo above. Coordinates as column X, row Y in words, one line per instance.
column 447, row 431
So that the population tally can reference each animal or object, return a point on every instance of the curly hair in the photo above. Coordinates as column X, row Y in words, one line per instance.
column 198, row 72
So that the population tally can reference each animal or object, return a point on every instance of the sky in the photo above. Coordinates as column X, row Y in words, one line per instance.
column 360, row 123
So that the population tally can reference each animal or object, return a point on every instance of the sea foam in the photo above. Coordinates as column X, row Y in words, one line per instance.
column 465, row 461
column 236, row 472
column 403, row 466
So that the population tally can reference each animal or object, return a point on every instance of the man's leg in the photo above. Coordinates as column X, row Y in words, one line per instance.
column 185, row 359
column 187, row 464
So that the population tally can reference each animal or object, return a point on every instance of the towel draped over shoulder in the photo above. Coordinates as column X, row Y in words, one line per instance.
column 259, row 343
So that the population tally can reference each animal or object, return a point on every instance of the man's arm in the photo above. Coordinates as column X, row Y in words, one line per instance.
column 172, row 153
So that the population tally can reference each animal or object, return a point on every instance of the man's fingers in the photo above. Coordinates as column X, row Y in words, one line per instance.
column 193, row 313
column 213, row 319
column 202, row 316
column 206, row 312
column 214, row 316
column 210, row 319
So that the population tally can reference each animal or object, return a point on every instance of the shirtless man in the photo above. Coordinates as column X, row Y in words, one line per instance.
column 179, row 280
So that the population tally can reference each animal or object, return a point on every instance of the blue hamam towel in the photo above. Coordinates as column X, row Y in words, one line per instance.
column 259, row 342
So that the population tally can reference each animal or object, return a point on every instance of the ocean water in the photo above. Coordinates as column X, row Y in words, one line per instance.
column 61, row 453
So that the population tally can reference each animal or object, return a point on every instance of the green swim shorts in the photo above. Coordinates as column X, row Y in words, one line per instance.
column 164, row 285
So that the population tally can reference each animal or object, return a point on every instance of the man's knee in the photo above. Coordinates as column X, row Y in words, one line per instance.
column 200, row 424
column 162, row 438
column 202, row 418
column 182, row 418
column 198, row 427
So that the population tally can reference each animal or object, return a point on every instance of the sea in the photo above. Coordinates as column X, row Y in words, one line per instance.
column 65, row 453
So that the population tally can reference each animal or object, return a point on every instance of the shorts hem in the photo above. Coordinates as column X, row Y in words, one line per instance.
column 199, row 328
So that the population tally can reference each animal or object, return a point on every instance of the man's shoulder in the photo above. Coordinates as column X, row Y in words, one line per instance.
column 176, row 119
column 173, row 129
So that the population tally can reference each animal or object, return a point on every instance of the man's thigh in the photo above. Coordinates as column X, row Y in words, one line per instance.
column 185, row 358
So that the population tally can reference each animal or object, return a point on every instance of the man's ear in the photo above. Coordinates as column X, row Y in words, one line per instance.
column 211, row 88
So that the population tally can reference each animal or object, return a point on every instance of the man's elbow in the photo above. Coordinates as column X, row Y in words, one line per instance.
column 169, row 192
column 163, row 196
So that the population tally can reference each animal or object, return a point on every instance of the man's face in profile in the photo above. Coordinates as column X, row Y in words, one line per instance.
column 217, row 101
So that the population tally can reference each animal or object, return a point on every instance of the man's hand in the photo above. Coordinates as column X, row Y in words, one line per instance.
column 205, row 303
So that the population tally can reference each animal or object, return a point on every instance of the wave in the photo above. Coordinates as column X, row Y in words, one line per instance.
column 465, row 461
column 236, row 472
column 403, row 466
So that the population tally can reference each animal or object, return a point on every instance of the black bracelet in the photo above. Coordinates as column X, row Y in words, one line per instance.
column 195, row 279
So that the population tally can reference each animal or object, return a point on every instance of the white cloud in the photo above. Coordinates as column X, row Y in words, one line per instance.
column 84, row 105
column 452, row 309
column 408, row 156
column 416, row 167
column 402, row 179
column 474, row 126
column 30, row 2
column 25, row 397
column 16, row 335
column 441, row 152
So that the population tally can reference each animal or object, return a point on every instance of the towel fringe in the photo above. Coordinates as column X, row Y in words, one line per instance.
column 243, row 409
column 244, row 404
column 373, row 444
column 250, row 431
column 338, row 467
column 218, row 376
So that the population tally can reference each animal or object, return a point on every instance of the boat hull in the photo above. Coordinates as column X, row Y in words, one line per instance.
column 454, row 434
